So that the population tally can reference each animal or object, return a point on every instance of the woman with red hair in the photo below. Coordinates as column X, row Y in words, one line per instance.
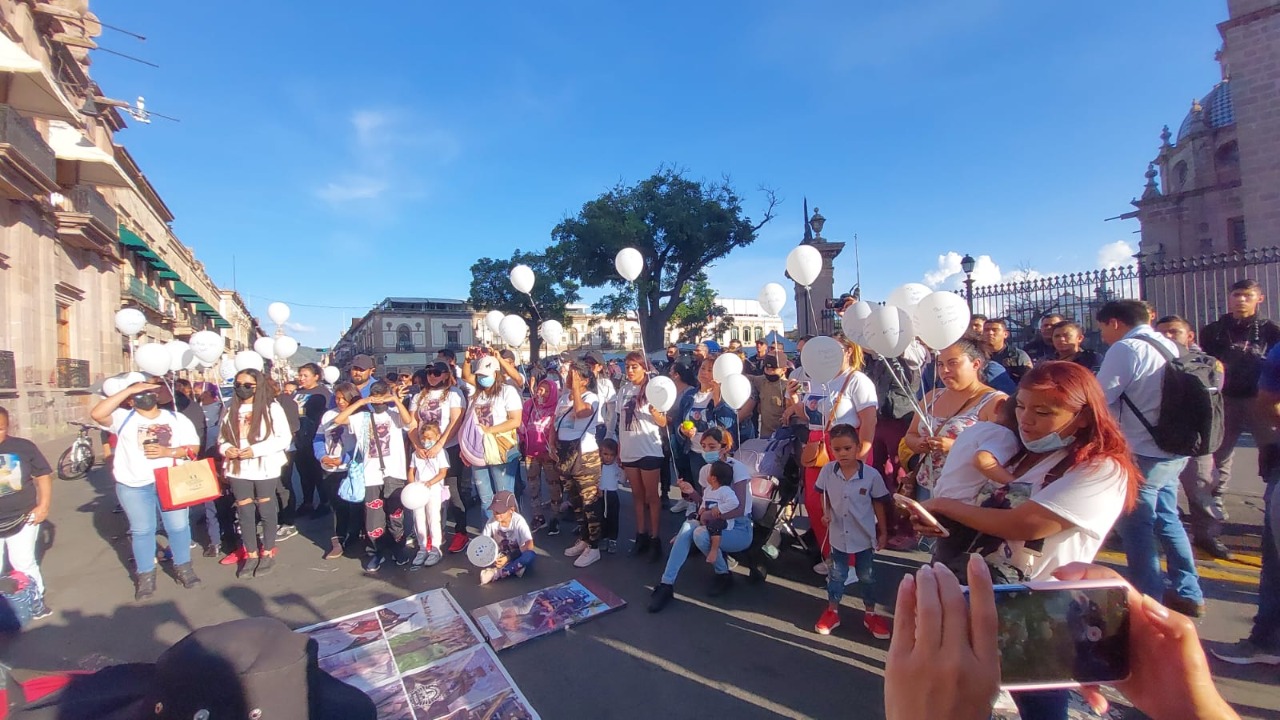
column 1075, row 474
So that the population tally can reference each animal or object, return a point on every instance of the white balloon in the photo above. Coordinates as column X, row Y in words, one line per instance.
column 822, row 358
column 629, row 263
column 661, row 393
column 941, row 318
column 522, row 278
column 736, row 390
column 130, row 321
column 726, row 366
column 804, row 264
column 854, row 320
column 887, row 330
column 906, row 296
column 207, row 345
column 414, row 496
column 153, row 358
column 180, row 355
column 332, row 374
column 285, row 347
column 773, row 297
column 265, row 346
column 248, row 360
column 116, row 383
column 278, row 312
column 493, row 319
column 552, row 331
column 513, row 330
column 227, row 369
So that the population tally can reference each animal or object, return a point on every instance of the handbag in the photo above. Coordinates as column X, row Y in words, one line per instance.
column 186, row 484
column 501, row 448
column 814, row 453
column 352, row 487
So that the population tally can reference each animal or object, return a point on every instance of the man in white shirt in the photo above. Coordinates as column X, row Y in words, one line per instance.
column 1131, row 376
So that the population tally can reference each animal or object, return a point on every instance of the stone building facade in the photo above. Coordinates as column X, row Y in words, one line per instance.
column 83, row 232
column 404, row 334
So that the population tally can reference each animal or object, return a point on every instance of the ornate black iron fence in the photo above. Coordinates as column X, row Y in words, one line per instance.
column 1195, row 288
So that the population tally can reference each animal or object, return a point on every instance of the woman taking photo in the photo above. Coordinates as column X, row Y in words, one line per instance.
column 716, row 444
column 334, row 448
column 700, row 412
column 148, row 439
column 255, row 436
column 847, row 399
column 1076, row 475
column 640, row 428
column 440, row 403
column 495, row 410
column 962, row 401
column 577, row 457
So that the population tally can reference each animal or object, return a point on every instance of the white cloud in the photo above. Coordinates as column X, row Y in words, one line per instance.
column 352, row 187
column 1116, row 254
column 948, row 275
column 298, row 327
column 392, row 155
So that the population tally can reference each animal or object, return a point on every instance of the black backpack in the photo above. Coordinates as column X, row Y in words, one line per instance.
column 1190, row 420
column 894, row 402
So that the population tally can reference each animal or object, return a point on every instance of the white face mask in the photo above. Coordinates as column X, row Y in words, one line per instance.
column 1047, row 444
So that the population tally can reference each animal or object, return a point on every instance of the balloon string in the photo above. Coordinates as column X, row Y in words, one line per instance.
column 915, row 404
column 812, row 317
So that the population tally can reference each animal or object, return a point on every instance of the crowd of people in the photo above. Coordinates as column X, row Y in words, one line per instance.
column 1030, row 457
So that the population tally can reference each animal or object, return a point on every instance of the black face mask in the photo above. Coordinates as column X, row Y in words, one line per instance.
column 245, row 393
column 772, row 378
column 145, row 401
column 378, row 407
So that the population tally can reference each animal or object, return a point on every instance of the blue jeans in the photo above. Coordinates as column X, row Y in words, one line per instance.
column 1156, row 518
column 736, row 538
column 489, row 479
column 863, row 564
column 141, row 505
column 1266, row 624
column 523, row 560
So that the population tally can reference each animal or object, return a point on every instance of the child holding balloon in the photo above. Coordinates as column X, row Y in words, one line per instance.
column 426, row 504
column 510, row 531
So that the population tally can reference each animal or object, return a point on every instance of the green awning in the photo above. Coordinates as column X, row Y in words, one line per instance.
column 146, row 254
column 220, row 323
column 168, row 275
column 155, row 262
column 203, row 307
column 185, row 291
column 130, row 239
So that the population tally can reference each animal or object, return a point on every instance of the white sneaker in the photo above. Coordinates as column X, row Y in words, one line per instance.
column 433, row 557
column 420, row 558
column 488, row 575
column 576, row 549
column 821, row 568
column 586, row 558
column 681, row 506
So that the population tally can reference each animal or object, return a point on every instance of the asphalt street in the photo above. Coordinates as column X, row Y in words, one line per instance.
column 749, row 654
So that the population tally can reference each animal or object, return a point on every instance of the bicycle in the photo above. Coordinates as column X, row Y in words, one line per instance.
column 76, row 461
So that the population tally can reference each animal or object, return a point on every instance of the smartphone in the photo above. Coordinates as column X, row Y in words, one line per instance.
column 918, row 511
column 1063, row 634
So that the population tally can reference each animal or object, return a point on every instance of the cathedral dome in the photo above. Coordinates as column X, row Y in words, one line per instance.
column 1215, row 107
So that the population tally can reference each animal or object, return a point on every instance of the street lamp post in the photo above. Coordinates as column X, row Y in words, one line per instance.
column 967, row 264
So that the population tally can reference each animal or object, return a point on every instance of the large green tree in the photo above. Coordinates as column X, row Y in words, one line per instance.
column 680, row 226
column 491, row 290
column 699, row 316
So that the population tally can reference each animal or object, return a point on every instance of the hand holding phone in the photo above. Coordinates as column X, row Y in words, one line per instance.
column 920, row 514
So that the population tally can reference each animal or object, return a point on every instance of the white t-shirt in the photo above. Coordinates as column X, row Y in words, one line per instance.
column 606, row 391
column 492, row 411
column 858, row 395
column 269, row 457
column 436, row 408
column 610, row 477
column 722, row 498
column 1089, row 497
column 426, row 469
column 512, row 538
column 853, row 516
column 169, row 429
column 741, row 473
column 335, row 441
column 638, row 435
column 569, row 427
column 380, row 436
column 959, row 479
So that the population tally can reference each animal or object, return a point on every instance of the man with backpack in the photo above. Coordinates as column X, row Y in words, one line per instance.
column 1132, row 376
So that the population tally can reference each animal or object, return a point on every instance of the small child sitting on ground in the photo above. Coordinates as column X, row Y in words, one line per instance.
column 515, row 541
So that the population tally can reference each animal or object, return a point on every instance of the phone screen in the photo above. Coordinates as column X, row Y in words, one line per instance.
column 1062, row 636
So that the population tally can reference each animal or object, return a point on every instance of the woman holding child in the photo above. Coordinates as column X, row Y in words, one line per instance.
column 1066, row 488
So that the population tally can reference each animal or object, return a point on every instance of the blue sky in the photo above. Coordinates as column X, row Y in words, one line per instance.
column 340, row 156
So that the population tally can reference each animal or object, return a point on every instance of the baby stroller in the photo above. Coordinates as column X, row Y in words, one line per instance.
column 775, row 498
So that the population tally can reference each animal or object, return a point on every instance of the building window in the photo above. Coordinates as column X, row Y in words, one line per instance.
column 759, row 333
column 734, row 333
column 64, row 330
column 452, row 338
column 573, row 336
column 1235, row 234
column 1180, row 174
column 404, row 339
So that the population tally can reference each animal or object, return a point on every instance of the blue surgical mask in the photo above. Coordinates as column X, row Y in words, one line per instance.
column 711, row 455
column 1047, row 444
column 485, row 381
column 428, row 444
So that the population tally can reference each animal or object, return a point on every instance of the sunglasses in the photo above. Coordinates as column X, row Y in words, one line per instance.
column 247, row 386
column 436, row 373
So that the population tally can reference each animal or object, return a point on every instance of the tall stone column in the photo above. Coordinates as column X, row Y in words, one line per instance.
column 812, row 317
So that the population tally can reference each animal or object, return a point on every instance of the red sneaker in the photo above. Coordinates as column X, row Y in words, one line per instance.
column 829, row 621
column 459, row 543
column 877, row 625
column 234, row 558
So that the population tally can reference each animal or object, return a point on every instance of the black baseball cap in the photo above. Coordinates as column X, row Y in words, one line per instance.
column 364, row 362
column 503, row 500
column 438, row 368
column 771, row 362
column 593, row 356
